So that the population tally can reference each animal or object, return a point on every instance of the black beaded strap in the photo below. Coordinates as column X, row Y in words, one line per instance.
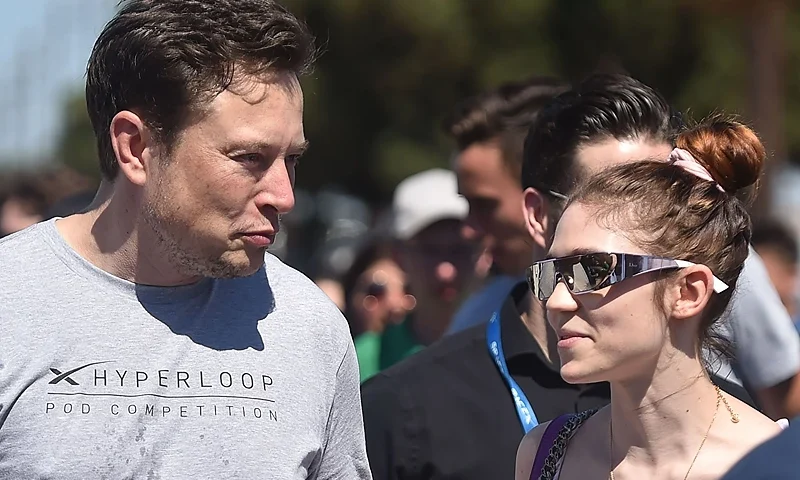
column 559, row 448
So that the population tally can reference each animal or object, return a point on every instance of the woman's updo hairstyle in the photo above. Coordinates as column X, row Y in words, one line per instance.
column 668, row 211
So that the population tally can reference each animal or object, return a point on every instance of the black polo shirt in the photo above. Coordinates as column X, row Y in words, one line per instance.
column 446, row 413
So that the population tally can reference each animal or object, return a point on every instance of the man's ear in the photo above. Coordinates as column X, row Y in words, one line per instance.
column 692, row 292
column 133, row 146
column 535, row 207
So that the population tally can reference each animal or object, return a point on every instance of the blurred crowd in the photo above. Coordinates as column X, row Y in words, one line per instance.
column 433, row 268
column 30, row 197
column 450, row 248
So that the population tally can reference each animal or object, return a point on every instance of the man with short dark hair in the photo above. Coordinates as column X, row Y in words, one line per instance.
column 152, row 336
column 21, row 205
column 489, row 131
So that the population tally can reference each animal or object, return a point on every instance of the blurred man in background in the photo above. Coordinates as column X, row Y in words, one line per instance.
column 27, row 198
column 71, row 204
column 489, row 131
column 442, row 262
column 778, row 249
column 22, row 204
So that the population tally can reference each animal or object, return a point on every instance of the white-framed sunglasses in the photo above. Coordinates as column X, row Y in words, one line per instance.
column 592, row 271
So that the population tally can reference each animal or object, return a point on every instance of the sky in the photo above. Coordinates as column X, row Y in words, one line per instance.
column 44, row 47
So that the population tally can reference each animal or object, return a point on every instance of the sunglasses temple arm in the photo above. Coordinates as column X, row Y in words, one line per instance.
column 719, row 285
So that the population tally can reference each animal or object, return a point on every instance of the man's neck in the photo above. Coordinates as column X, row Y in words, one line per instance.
column 112, row 237
column 533, row 316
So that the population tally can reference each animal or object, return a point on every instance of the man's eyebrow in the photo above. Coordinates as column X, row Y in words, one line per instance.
column 259, row 146
column 300, row 148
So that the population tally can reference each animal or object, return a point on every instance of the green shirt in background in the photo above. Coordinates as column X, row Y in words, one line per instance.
column 378, row 351
column 368, row 352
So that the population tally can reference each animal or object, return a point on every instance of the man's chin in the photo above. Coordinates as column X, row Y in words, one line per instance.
column 236, row 264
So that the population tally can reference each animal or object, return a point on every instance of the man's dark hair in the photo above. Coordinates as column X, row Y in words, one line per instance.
column 164, row 58
column 775, row 235
column 504, row 113
column 602, row 107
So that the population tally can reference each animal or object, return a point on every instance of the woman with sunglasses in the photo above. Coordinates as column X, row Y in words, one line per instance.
column 643, row 263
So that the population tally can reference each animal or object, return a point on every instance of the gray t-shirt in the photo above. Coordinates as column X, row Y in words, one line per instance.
column 100, row 378
column 765, row 343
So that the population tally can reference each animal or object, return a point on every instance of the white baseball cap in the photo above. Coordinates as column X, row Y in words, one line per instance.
column 424, row 199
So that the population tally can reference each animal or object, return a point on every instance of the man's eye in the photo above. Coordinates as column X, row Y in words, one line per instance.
column 249, row 158
column 294, row 159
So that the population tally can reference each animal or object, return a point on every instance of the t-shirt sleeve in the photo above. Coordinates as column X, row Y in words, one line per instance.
column 345, row 456
column 766, row 343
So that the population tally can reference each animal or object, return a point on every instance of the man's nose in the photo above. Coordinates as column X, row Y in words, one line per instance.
column 277, row 188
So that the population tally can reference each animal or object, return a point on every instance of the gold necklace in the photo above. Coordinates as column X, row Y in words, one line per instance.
column 720, row 398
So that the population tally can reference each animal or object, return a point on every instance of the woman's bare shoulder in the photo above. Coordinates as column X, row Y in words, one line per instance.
column 734, row 439
column 526, row 452
column 759, row 427
column 738, row 438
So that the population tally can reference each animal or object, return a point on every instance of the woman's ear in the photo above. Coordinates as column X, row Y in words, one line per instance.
column 693, row 290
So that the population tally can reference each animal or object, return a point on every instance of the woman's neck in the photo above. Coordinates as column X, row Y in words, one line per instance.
column 662, row 419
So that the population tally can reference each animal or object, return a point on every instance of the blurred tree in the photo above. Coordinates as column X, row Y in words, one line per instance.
column 75, row 146
column 391, row 70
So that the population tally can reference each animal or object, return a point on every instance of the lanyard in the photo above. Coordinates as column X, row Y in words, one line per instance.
column 524, row 410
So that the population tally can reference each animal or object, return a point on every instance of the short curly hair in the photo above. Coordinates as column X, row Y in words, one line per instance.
column 165, row 58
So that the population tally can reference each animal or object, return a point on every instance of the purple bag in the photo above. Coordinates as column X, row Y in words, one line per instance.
column 548, row 440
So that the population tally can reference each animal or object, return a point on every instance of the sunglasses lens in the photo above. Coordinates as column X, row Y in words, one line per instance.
column 542, row 279
column 595, row 269
column 581, row 273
